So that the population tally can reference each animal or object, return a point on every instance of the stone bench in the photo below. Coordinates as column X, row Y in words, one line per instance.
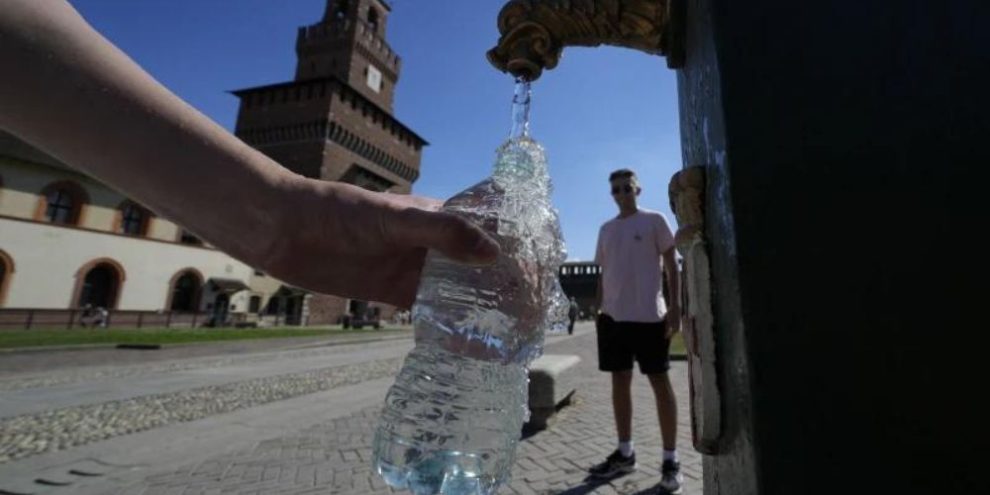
column 552, row 384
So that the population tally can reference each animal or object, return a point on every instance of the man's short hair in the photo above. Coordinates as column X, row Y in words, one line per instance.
column 622, row 173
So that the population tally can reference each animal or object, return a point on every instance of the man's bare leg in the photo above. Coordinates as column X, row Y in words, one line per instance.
column 622, row 403
column 666, row 409
column 623, row 460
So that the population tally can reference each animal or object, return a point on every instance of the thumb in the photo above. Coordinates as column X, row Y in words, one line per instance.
column 445, row 232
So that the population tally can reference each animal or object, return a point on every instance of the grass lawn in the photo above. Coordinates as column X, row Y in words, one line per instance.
column 677, row 345
column 41, row 337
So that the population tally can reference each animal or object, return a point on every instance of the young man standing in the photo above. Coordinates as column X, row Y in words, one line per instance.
column 634, row 323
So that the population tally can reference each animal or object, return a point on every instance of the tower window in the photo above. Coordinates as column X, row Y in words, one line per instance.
column 373, row 19
column 342, row 8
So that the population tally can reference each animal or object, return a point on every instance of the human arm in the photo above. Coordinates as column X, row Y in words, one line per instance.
column 599, row 260
column 673, row 317
column 664, row 239
column 70, row 92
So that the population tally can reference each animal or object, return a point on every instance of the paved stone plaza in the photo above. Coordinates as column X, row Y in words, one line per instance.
column 295, row 419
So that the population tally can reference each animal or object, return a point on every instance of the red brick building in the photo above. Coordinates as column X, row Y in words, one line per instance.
column 334, row 120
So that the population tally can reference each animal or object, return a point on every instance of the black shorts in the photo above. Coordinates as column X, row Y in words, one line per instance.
column 620, row 342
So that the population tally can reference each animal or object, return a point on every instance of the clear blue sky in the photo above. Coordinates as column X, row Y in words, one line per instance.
column 599, row 110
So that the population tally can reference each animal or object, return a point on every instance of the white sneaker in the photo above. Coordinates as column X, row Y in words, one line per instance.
column 671, row 478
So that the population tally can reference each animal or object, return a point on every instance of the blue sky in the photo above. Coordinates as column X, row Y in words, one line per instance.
column 599, row 110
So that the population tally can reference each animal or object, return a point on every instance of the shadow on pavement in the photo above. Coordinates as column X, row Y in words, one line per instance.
column 589, row 484
column 528, row 431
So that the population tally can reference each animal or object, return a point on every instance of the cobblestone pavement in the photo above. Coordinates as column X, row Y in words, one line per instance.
column 334, row 456
column 51, row 430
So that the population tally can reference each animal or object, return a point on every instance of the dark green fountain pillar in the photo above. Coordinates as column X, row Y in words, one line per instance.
column 846, row 144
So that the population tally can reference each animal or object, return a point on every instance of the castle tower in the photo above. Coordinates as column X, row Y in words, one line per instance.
column 334, row 120
column 349, row 44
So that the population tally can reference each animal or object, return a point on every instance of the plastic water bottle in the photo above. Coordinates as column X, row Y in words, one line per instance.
column 452, row 419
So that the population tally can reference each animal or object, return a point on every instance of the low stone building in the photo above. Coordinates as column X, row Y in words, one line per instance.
column 68, row 241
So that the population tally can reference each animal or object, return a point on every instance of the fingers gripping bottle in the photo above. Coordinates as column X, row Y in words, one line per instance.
column 452, row 419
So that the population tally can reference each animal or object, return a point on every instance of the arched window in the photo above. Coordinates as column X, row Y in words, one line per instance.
column 134, row 219
column 185, row 289
column 61, row 206
column 373, row 19
column 6, row 270
column 98, row 284
column 62, row 203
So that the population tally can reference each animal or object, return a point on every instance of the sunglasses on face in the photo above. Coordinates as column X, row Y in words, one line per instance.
column 626, row 189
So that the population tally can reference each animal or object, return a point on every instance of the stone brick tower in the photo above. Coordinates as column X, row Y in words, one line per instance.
column 349, row 44
column 334, row 120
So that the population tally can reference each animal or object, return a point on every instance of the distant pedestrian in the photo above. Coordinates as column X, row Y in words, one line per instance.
column 102, row 317
column 86, row 317
column 572, row 313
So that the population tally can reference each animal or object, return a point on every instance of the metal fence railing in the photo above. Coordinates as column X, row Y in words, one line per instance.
column 18, row 318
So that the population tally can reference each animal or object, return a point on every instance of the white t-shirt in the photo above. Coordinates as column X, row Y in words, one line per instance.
column 630, row 253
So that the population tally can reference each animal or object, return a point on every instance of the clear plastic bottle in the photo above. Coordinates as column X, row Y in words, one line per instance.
column 452, row 419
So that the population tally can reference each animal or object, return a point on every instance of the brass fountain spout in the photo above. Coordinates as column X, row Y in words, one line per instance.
column 535, row 32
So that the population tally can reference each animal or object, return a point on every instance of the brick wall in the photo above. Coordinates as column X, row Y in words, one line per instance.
column 323, row 128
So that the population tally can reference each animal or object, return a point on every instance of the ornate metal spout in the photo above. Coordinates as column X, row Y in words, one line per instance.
column 535, row 32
